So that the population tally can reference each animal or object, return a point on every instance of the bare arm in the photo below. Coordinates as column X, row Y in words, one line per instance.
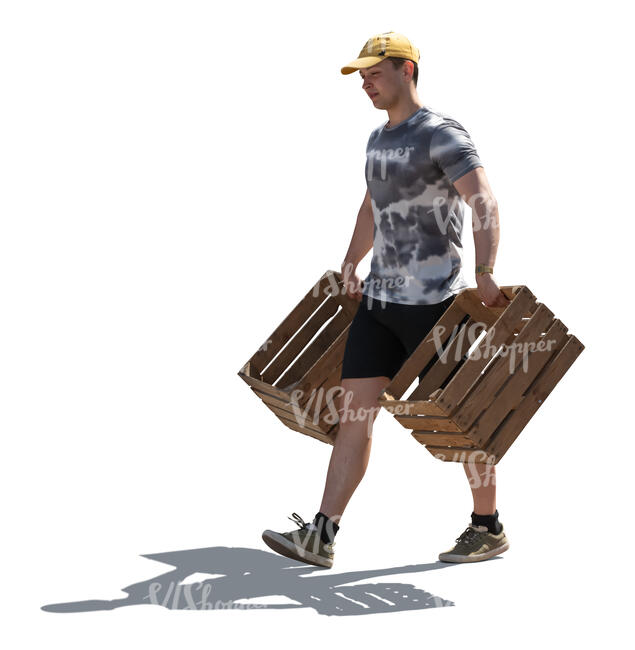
column 361, row 243
column 474, row 188
column 362, row 239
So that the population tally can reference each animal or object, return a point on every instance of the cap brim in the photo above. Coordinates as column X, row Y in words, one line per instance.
column 363, row 62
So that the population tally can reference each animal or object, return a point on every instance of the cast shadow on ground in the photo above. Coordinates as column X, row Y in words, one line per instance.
column 240, row 574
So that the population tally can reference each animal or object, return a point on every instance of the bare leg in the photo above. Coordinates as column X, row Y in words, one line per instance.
column 482, row 478
column 351, row 450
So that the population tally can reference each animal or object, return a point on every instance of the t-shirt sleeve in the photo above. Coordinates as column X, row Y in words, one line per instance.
column 453, row 150
column 369, row 144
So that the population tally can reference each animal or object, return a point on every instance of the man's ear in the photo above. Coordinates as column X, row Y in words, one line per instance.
column 410, row 68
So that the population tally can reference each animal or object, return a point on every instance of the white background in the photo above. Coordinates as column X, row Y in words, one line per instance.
column 174, row 177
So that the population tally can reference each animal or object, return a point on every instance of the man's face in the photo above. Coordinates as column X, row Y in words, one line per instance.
column 382, row 83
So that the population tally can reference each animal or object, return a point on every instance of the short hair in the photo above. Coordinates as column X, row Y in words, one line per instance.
column 398, row 62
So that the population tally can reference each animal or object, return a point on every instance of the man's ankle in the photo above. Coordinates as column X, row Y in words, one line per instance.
column 327, row 527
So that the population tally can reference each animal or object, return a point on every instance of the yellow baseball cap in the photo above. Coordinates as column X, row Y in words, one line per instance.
column 381, row 46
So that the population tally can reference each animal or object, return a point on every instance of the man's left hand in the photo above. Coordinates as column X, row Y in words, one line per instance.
column 490, row 292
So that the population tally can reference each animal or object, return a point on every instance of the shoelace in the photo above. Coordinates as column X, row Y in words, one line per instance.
column 469, row 535
column 296, row 519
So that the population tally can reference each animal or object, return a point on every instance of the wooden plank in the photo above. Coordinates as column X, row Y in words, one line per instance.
column 471, row 303
column 328, row 388
column 442, row 439
column 287, row 413
column 536, row 395
column 498, row 333
column 511, row 290
column 503, row 367
column 450, row 358
column 299, row 341
column 329, row 439
column 305, row 416
column 262, row 386
column 461, row 454
column 407, row 407
column 512, row 392
column 427, row 423
column 323, row 366
column 426, row 350
column 349, row 305
column 329, row 411
column 272, row 399
column 287, row 328
column 336, row 289
column 322, row 342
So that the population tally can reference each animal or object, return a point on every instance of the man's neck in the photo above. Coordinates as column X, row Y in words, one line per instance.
column 403, row 110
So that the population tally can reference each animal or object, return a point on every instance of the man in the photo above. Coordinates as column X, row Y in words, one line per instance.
column 420, row 164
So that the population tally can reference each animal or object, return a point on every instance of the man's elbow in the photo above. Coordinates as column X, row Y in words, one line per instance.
column 483, row 202
column 490, row 204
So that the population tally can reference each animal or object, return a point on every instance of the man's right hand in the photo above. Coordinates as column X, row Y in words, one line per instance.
column 352, row 283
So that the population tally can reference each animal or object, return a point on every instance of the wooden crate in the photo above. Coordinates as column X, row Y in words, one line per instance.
column 475, row 395
column 301, row 360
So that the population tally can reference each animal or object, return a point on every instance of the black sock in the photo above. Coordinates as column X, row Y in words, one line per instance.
column 327, row 527
column 491, row 521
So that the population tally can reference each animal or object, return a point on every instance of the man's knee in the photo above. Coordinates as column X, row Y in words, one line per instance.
column 357, row 406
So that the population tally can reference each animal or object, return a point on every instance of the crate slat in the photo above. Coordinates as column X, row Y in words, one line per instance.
column 303, row 416
column 292, row 424
column 349, row 305
column 262, row 386
column 471, row 304
column 442, row 439
column 331, row 382
column 460, row 454
column 427, row 423
column 411, row 407
column 306, row 423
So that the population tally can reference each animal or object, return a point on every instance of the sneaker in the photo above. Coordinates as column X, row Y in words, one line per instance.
column 476, row 543
column 304, row 544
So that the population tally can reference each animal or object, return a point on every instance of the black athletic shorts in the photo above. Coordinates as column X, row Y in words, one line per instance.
column 383, row 335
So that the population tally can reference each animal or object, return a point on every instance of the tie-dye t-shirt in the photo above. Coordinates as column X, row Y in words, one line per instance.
column 410, row 168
